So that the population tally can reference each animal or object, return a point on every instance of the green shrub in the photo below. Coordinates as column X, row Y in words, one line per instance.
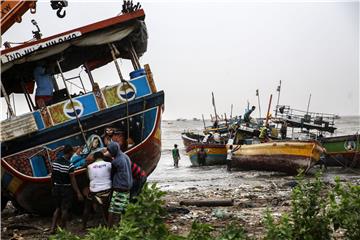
column 345, row 209
column 281, row 230
column 145, row 218
column 64, row 235
column 200, row 231
column 233, row 232
column 316, row 211
column 308, row 218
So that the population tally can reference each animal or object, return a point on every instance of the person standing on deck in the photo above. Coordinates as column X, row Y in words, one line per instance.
column 202, row 156
column 228, row 158
column 176, row 156
column 121, row 183
column 99, row 173
column 44, row 86
column 247, row 115
column 63, row 182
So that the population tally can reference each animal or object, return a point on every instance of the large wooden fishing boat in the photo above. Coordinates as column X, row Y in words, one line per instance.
column 132, row 108
column 287, row 156
column 342, row 151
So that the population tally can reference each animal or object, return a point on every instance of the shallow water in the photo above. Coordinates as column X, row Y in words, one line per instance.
column 174, row 179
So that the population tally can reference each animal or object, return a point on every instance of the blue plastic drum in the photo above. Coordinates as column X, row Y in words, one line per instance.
column 137, row 73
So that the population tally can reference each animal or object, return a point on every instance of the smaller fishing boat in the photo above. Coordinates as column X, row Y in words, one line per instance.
column 342, row 150
column 189, row 138
column 215, row 153
column 282, row 156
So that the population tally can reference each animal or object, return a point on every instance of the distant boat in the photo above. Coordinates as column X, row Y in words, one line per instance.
column 288, row 156
column 181, row 119
column 196, row 119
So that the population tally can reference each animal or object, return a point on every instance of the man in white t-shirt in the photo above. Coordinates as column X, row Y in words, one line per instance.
column 99, row 173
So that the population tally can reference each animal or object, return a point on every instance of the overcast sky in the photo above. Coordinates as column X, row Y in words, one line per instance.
column 233, row 48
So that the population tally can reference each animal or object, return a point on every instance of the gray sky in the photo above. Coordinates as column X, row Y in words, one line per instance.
column 233, row 48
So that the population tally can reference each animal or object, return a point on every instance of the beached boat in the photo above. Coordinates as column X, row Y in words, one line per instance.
column 216, row 153
column 189, row 138
column 342, row 151
column 132, row 108
column 287, row 156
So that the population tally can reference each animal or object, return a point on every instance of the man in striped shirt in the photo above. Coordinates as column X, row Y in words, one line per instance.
column 63, row 182
column 139, row 179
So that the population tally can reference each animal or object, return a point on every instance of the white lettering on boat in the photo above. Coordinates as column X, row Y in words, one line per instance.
column 11, row 56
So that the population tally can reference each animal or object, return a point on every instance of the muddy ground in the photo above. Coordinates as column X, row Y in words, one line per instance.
column 252, row 193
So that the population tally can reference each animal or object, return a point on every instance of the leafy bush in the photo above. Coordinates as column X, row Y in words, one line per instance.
column 345, row 209
column 233, row 232
column 316, row 212
column 308, row 218
column 200, row 231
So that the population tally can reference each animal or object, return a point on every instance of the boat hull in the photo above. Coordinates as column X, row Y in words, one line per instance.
column 288, row 157
column 34, row 193
column 216, row 154
column 191, row 138
column 342, row 151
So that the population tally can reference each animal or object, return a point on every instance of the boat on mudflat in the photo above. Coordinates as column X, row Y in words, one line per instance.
column 342, row 151
column 131, row 108
column 191, row 138
column 282, row 156
column 216, row 153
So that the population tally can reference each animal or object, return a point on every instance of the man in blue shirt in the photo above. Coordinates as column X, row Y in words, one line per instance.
column 121, row 183
column 44, row 86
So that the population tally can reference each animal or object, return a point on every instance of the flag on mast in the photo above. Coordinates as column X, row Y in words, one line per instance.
column 257, row 92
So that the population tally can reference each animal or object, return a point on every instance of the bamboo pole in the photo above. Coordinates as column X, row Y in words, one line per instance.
column 72, row 104
column 258, row 96
column 213, row 102
column 203, row 120
column 277, row 104
column 307, row 109
column 268, row 111
column 6, row 96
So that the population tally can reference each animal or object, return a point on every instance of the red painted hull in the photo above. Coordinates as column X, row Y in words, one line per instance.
column 34, row 193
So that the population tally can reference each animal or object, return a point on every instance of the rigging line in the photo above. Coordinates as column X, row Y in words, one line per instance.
column 113, row 49
column 72, row 105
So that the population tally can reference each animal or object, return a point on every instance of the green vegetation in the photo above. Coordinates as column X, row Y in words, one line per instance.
column 318, row 211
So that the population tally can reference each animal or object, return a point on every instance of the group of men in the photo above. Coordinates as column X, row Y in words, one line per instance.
column 114, row 180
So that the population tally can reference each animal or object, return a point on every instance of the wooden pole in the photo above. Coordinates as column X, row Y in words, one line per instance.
column 258, row 96
column 6, row 96
column 231, row 111
column 203, row 120
column 307, row 109
column 72, row 104
column 208, row 202
column 213, row 102
column 268, row 111
column 277, row 104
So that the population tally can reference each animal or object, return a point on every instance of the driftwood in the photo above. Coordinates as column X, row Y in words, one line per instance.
column 208, row 203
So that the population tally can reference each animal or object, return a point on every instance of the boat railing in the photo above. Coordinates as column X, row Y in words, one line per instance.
column 84, row 104
column 285, row 112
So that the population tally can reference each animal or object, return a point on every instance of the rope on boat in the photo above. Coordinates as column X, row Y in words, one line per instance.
column 113, row 51
column 72, row 104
